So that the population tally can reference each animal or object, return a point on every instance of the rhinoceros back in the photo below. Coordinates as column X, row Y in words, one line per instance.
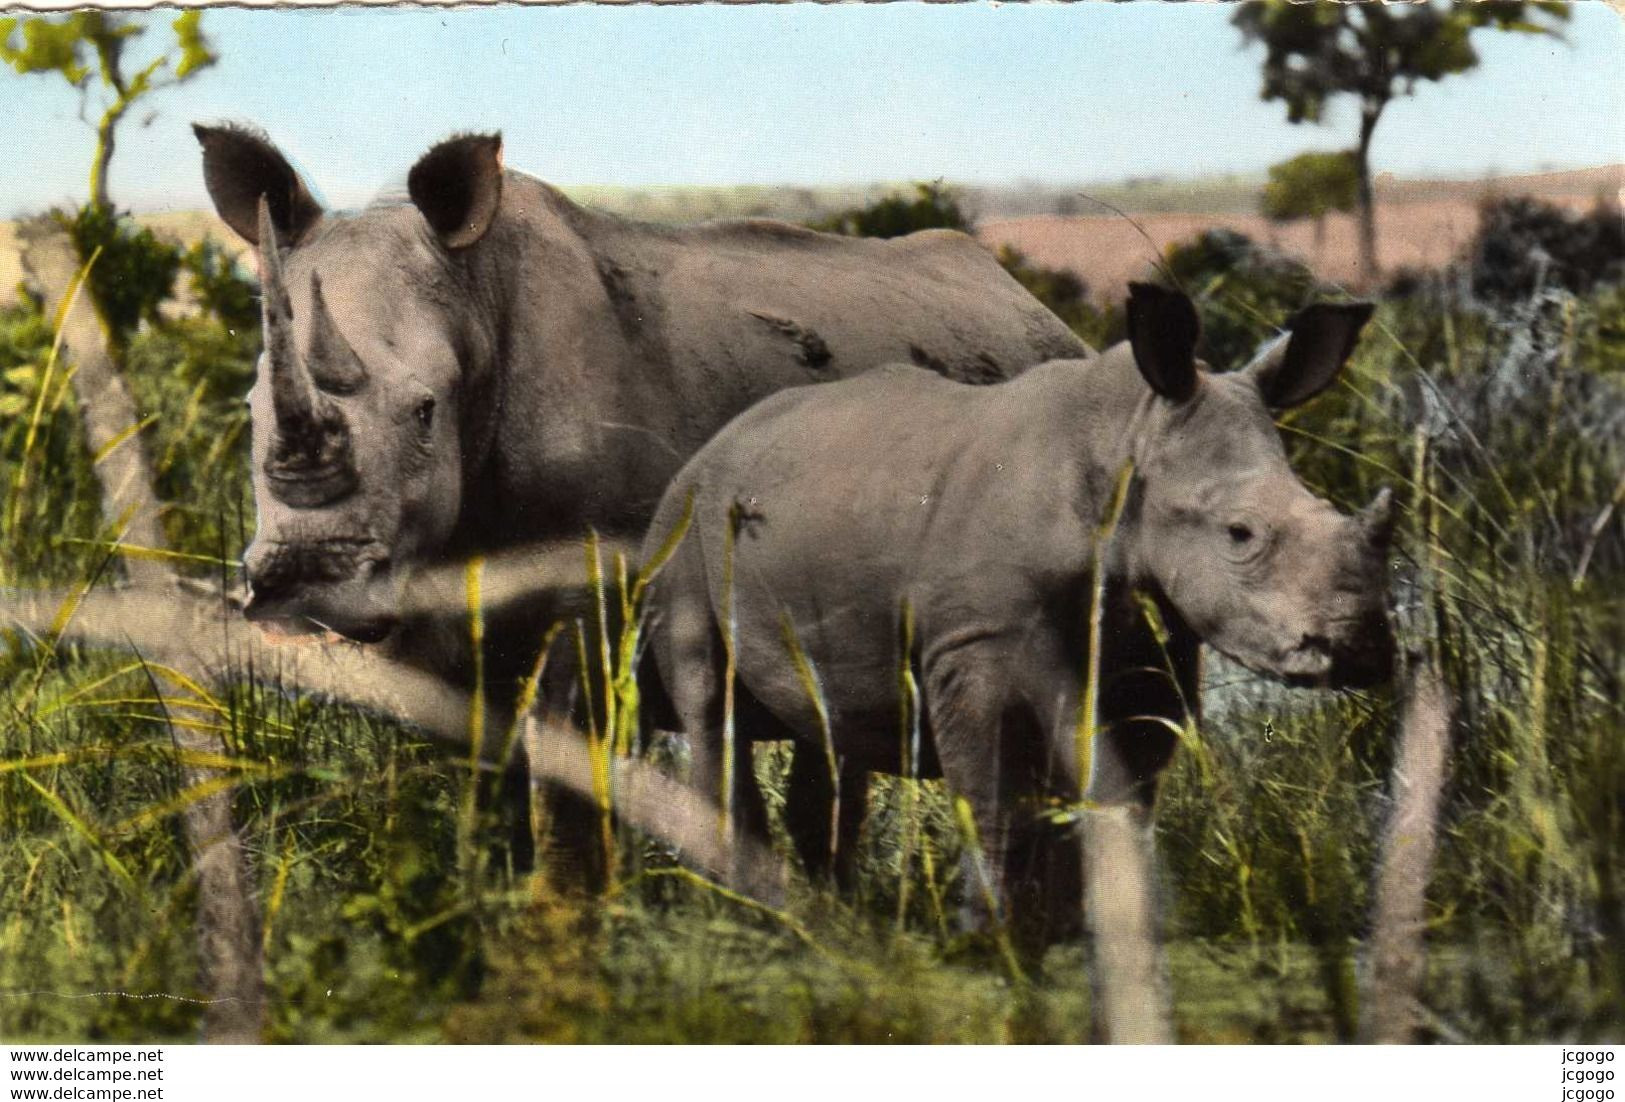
column 716, row 317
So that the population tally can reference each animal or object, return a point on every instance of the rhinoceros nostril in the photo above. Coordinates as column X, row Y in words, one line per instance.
column 1315, row 643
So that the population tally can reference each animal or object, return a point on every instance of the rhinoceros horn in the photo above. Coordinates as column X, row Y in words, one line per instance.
column 311, row 433
column 334, row 365
column 1378, row 518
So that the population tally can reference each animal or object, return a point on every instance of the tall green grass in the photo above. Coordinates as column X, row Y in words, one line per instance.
column 392, row 910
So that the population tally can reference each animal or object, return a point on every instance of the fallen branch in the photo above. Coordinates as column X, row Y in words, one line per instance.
column 1398, row 958
column 1132, row 1004
column 179, row 628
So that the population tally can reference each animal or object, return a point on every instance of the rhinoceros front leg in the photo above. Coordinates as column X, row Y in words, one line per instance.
column 997, row 755
column 566, row 825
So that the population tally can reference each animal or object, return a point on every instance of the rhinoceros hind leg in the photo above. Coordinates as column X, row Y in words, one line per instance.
column 826, row 838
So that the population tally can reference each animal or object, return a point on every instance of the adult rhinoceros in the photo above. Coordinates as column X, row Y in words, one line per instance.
column 490, row 366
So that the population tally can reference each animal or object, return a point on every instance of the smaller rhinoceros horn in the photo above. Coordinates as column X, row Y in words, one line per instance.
column 1378, row 518
column 334, row 364
column 302, row 416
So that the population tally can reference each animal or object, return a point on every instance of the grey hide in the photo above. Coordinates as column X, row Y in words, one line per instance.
column 981, row 508
column 490, row 366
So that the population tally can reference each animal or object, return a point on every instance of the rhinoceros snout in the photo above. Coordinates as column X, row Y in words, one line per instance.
column 1356, row 653
column 300, row 593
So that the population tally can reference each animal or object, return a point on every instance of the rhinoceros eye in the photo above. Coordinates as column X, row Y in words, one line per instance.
column 1240, row 534
column 425, row 414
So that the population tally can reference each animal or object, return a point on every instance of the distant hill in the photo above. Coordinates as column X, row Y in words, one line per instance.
column 1422, row 222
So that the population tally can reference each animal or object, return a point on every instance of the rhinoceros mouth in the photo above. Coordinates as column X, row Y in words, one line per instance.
column 287, row 626
column 308, row 488
column 1320, row 663
column 333, row 587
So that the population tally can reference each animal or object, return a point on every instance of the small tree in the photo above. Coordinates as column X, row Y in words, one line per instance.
column 1311, row 185
column 136, row 270
column 86, row 49
column 1373, row 51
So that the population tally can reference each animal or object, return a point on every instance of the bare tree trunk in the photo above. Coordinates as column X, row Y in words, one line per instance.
column 1131, row 986
column 228, row 920
column 1398, row 958
column 1369, row 269
column 103, row 159
column 130, row 506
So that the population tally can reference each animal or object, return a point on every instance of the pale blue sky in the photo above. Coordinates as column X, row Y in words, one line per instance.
column 803, row 94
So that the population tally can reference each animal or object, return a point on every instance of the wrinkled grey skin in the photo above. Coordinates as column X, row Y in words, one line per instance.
column 981, row 509
column 489, row 366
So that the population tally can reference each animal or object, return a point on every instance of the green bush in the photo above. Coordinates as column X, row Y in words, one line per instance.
column 134, row 273
column 189, row 377
column 220, row 289
column 1243, row 290
column 932, row 207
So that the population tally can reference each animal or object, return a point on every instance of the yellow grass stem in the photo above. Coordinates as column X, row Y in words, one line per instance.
column 663, row 554
column 807, row 673
column 628, row 701
column 529, row 689
column 112, row 445
column 730, row 665
column 279, row 889
column 81, row 828
column 1088, row 718
column 196, row 758
column 598, row 749
column 908, row 693
column 473, row 573
column 990, row 899
column 162, row 554
column 928, row 868
column 595, row 579
column 783, row 918
column 186, row 798
column 165, row 702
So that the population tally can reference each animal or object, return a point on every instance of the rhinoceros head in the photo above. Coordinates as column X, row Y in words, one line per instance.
column 1255, row 563
column 373, row 357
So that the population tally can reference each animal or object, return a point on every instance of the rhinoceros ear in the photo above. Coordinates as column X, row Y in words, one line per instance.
column 458, row 186
column 1162, row 330
column 1292, row 371
column 239, row 166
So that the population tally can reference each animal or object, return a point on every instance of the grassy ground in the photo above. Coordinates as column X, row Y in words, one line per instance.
column 1503, row 432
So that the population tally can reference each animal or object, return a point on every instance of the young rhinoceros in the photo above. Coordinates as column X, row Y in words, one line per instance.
column 982, row 510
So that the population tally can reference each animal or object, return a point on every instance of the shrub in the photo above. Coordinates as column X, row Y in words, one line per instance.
column 135, row 272
column 933, row 207
column 1243, row 290
column 1524, row 245
column 1067, row 296
column 220, row 289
